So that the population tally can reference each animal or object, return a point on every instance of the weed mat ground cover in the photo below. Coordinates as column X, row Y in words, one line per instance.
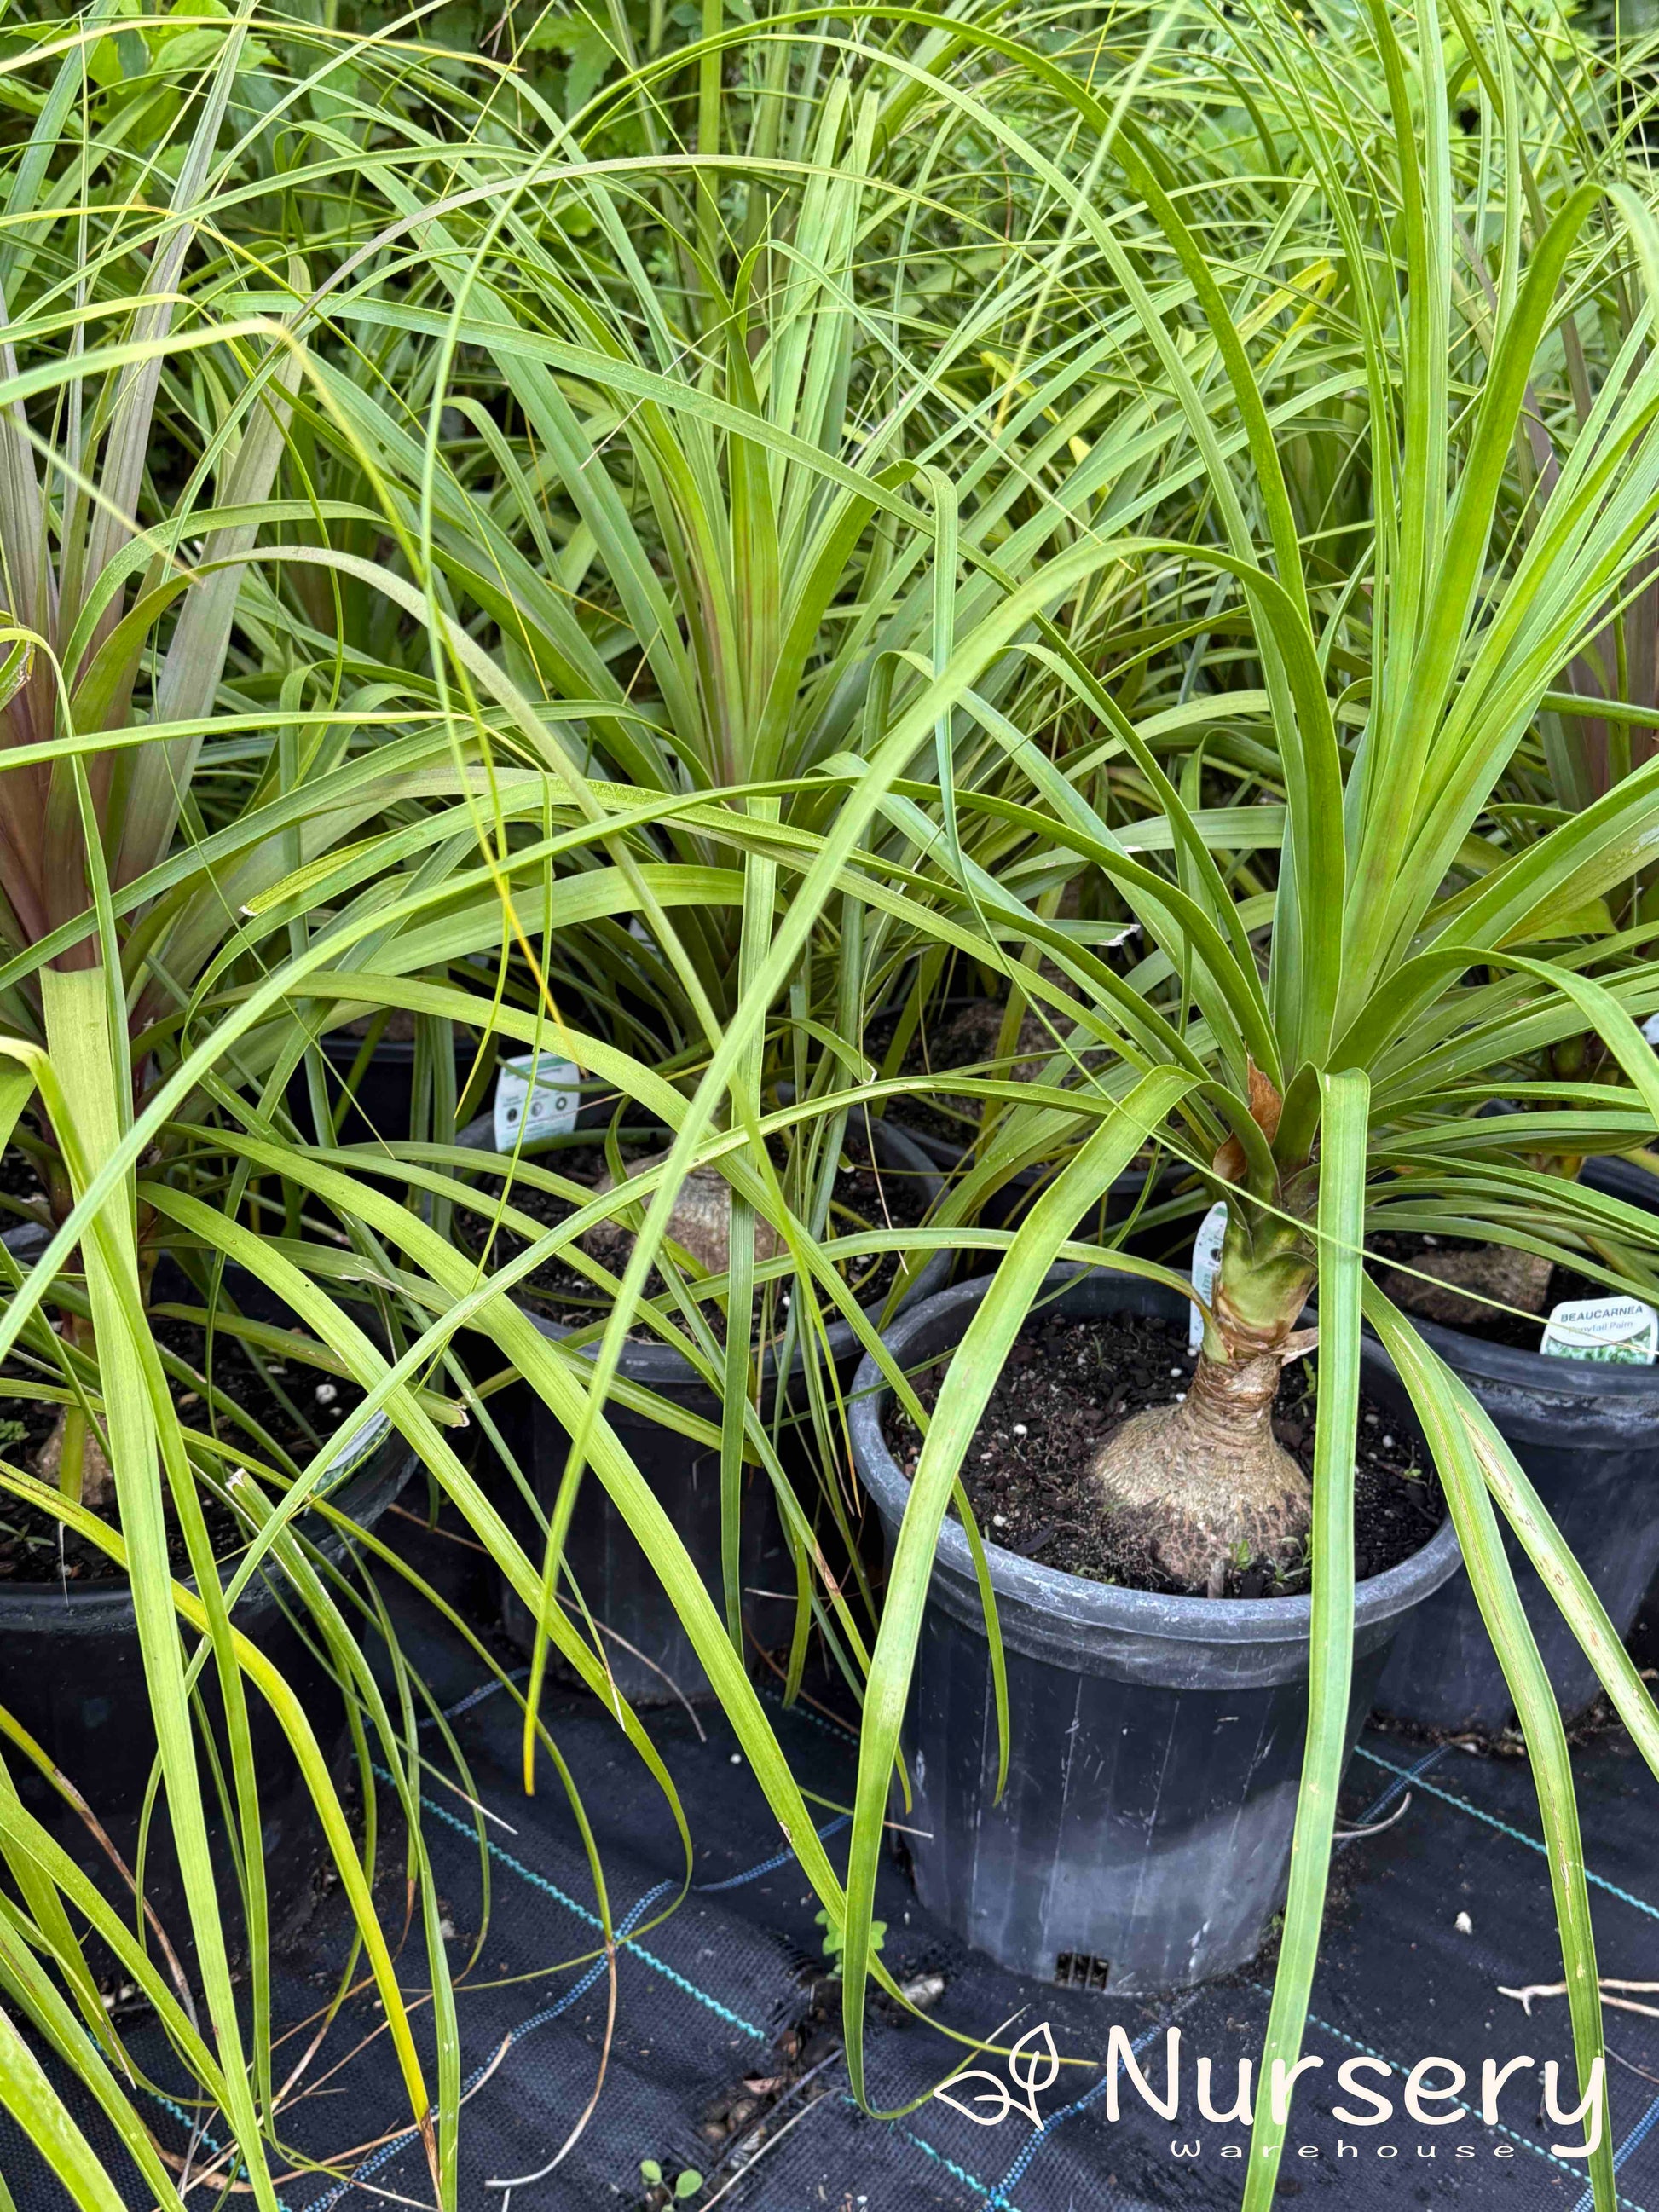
column 1430, row 1917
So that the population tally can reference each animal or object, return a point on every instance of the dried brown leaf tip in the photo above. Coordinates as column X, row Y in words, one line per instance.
column 1266, row 1105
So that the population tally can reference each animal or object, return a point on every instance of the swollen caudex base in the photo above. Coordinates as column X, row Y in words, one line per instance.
column 97, row 1480
column 1492, row 1274
column 699, row 1222
column 1197, row 1487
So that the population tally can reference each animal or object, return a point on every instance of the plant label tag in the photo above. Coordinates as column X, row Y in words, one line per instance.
column 1206, row 1265
column 1616, row 1328
column 1650, row 1030
column 360, row 1444
column 539, row 1091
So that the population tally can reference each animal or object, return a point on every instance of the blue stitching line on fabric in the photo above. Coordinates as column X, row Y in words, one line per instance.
column 389, row 2151
column 995, row 2195
column 191, row 2126
column 961, row 2173
column 201, row 2134
column 1429, row 1758
column 1518, row 1835
column 778, row 1859
column 999, row 2197
column 1638, row 2136
column 476, row 1697
column 1515, row 2135
column 540, row 1882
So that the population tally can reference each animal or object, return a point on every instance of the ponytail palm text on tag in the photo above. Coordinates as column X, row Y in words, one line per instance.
column 1622, row 1329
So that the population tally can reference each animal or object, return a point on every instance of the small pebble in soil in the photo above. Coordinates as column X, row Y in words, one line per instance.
column 327, row 1394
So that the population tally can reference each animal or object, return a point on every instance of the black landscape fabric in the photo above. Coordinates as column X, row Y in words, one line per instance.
column 725, row 2058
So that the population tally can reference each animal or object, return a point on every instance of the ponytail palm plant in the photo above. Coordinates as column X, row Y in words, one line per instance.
column 141, row 442
column 1318, row 1050
column 165, row 966
column 1320, row 1056
column 748, row 617
column 744, row 506
column 126, row 863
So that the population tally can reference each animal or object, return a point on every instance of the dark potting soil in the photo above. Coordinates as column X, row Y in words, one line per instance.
column 958, row 1036
column 397, row 1028
column 1492, row 1324
column 961, row 1037
column 18, row 1179
column 934, row 1049
column 296, row 1404
column 1068, row 1385
column 865, row 1198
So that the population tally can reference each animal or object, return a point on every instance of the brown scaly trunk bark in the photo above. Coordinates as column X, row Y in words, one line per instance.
column 73, row 1437
column 96, row 1491
column 700, row 1223
column 1195, row 1488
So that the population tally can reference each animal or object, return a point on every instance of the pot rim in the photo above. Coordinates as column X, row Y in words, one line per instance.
column 378, row 1481
column 1075, row 1602
column 1555, row 1376
column 369, row 1490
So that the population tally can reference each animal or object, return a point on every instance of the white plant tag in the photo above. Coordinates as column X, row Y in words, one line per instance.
column 546, row 1101
column 1206, row 1265
column 1616, row 1328
column 1650, row 1030
column 360, row 1445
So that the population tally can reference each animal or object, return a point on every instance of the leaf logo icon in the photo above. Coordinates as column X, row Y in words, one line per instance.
column 1033, row 2067
column 1034, row 2070
column 996, row 2087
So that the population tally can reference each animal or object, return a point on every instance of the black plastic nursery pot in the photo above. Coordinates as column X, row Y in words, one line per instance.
column 1587, row 1436
column 71, row 1672
column 650, row 1655
column 1143, row 1841
column 383, row 1095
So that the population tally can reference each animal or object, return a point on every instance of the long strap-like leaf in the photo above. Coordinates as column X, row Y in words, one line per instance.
column 1330, row 1656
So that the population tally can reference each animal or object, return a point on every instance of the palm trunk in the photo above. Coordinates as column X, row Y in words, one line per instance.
column 1202, row 1486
